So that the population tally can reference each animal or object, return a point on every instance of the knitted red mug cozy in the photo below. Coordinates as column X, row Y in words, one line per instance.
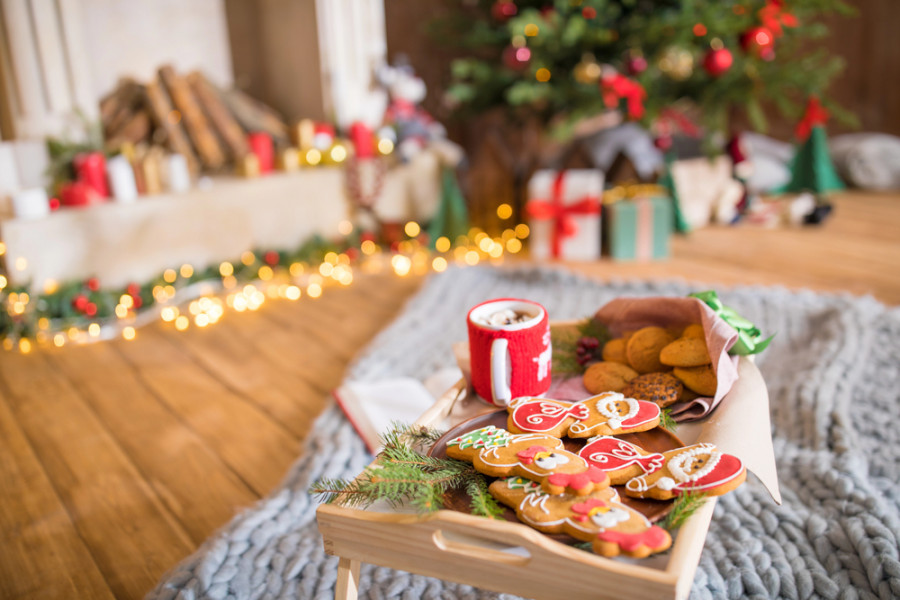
column 509, row 347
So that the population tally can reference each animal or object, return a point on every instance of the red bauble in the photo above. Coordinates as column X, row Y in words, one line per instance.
column 589, row 12
column 503, row 10
column 79, row 301
column 133, row 289
column 93, row 284
column 90, row 309
column 759, row 41
column 271, row 257
column 516, row 58
column 636, row 64
column 718, row 61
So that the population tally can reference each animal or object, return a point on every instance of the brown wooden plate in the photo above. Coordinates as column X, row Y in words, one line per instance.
column 655, row 440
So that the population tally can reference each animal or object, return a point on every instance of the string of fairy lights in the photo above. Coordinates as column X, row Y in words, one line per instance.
column 185, row 298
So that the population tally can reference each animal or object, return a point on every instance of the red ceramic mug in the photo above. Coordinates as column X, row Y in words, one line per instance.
column 509, row 348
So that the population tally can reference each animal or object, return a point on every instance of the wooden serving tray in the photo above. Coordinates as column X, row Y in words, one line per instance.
column 506, row 556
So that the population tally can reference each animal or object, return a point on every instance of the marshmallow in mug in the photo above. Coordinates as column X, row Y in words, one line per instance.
column 507, row 316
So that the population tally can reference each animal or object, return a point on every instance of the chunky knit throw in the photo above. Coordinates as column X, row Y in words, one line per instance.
column 833, row 374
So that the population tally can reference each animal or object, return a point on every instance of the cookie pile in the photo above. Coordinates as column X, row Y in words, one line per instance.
column 655, row 364
column 556, row 490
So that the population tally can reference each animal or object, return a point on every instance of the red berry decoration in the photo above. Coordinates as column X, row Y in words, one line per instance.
column 93, row 284
column 516, row 58
column 759, row 41
column 589, row 12
column 588, row 350
column 718, row 61
column 636, row 64
column 90, row 309
column 271, row 257
column 502, row 10
column 663, row 142
column 79, row 302
column 54, row 204
column 133, row 289
column 137, row 301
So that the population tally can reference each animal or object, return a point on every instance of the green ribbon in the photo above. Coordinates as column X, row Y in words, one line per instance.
column 749, row 335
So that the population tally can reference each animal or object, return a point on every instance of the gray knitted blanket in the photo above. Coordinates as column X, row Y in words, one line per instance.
column 833, row 374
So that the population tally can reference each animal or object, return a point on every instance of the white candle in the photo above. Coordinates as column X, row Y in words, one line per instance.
column 121, row 179
column 179, row 175
column 31, row 204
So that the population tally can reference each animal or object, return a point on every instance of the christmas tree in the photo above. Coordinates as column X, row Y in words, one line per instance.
column 565, row 60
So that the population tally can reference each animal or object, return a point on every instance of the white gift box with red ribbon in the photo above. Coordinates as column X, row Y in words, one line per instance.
column 563, row 213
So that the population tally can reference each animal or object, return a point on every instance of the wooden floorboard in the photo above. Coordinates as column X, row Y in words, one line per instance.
column 118, row 459
column 191, row 480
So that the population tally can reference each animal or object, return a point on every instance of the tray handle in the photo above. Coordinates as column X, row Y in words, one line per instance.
column 471, row 547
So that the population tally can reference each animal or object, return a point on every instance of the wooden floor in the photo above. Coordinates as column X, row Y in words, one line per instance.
column 119, row 458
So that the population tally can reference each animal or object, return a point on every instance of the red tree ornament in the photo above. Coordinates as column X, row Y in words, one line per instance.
column 516, row 58
column 759, row 41
column 717, row 61
column 636, row 64
column 502, row 10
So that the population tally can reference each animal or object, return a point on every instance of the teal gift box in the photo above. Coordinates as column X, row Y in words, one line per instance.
column 639, row 223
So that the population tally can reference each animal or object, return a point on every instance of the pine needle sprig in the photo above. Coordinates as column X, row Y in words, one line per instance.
column 667, row 421
column 401, row 473
column 683, row 507
column 483, row 504
column 403, row 434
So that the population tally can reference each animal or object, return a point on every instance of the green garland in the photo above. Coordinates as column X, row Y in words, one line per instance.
column 82, row 303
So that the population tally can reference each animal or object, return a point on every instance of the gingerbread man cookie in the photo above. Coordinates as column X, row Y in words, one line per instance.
column 540, row 458
column 605, row 414
column 662, row 476
column 600, row 518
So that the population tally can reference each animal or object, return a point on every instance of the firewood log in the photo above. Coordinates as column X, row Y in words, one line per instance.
column 160, row 111
column 198, row 128
column 253, row 115
column 226, row 125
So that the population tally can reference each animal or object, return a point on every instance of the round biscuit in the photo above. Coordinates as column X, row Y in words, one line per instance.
column 642, row 349
column 608, row 377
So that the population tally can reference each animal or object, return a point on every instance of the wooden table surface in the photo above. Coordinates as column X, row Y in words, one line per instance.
column 117, row 459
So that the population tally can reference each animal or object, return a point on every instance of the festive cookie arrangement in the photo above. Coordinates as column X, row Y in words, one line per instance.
column 577, row 468
column 558, row 491
column 655, row 364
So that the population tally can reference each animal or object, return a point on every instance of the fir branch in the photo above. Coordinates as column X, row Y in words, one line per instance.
column 483, row 504
column 404, row 474
column 684, row 506
column 667, row 421
column 586, row 546
column 403, row 434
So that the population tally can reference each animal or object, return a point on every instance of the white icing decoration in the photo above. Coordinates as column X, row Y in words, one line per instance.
column 665, row 483
column 680, row 463
column 552, row 461
column 606, row 406
column 610, row 518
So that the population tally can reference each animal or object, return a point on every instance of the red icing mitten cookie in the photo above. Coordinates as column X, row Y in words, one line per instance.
column 600, row 518
column 608, row 413
column 540, row 458
column 698, row 468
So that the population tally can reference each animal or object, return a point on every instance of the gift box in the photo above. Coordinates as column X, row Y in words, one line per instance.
column 564, row 214
column 639, row 222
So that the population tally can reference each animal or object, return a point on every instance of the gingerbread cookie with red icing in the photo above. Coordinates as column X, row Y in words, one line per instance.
column 540, row 458
column 612, row 527
column 609, row 413
column 662, row 476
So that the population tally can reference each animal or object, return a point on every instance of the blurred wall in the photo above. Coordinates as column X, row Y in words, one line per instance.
column 134, row 38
